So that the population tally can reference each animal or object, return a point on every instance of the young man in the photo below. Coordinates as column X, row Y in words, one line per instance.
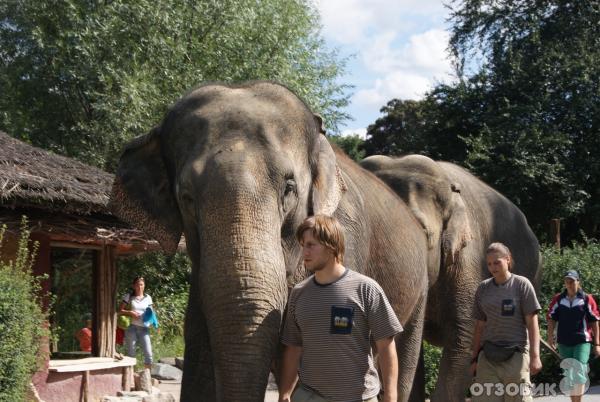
column 331, row 319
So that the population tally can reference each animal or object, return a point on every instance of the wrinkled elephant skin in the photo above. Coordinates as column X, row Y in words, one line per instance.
column 237, row 169
column 461, row 216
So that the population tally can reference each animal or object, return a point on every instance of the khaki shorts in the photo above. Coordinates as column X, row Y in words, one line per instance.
column 507, row 381
column 303, row 394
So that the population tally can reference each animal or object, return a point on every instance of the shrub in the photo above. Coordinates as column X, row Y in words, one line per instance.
column 583, row 258
column 431, row 356
column 22, row 321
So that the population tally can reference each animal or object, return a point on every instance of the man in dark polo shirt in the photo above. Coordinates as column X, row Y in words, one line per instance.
column 332, row 317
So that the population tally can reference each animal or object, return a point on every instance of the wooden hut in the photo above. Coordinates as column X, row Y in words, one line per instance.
column 65, row 202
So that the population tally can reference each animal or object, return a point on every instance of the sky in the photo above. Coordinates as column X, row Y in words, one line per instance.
column 397, row 49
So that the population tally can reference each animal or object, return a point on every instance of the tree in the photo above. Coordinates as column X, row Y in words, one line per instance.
column 524, row 114
column 399, row 131
column 352, row 145
column 540, row 108
column 81, row 77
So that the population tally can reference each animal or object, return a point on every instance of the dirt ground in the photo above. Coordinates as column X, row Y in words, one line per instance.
column 175, row 388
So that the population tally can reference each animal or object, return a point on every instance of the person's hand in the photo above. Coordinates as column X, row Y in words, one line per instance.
column 284, row 398
column 535, row 365
column 552, row 343
column 135, row 314
column 597, row 350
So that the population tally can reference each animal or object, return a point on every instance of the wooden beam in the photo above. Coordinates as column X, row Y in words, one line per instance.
column 89, row 365
column 69, row 244
column 105, row 288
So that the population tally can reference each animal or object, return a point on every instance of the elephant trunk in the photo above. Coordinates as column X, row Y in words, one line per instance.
column 243, row 291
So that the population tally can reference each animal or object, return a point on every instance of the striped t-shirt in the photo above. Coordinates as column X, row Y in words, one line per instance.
column 503, row 308
column 334, row 325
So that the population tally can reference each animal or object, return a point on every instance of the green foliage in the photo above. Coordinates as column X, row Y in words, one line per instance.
column 81, row 78
column 22, row 322
column 431, row 356
column 398, row 131
column 584, row 258
column 352, row 145
column 540, row 82
column 165, row 346
column 524, row 113
column 164, row 275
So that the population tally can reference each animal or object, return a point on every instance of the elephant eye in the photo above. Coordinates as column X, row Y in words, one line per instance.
column 186, row 203
column 290, row 196
column 290, row 187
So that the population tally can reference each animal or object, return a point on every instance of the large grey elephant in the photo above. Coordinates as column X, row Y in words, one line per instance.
column 461, row 216
column 237, row 169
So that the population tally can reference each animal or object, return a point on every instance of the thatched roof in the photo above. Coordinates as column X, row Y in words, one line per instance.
column 33, row 177
column 62, row 197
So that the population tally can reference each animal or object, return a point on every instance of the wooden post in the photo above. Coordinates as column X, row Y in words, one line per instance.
column 555, row 232
column 105, row 288
column 85, row 394
column 127, row 381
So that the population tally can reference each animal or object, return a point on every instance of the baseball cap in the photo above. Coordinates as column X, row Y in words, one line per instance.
column 572, row 274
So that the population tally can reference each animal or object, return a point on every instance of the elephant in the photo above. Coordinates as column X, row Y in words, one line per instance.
column 236, row 168
column 461, row 216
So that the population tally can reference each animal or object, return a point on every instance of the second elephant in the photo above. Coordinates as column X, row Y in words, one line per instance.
column 461, row 216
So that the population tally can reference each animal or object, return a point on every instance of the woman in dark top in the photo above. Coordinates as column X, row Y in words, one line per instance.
column 576, row 314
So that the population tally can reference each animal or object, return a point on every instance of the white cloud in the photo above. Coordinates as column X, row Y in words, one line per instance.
column 400, row 84
column 423, row 53
column 406, row 72
column 361, row 132
column 345, row 20
column 349, row 21
column 429, row 51
column 400, row 47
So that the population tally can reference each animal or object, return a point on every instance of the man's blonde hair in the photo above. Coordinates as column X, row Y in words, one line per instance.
column 503, row 251
column 327, row 230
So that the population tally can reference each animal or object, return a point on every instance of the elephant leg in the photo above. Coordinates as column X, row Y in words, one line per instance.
column 408, row 348
column 198, row 382
column 276, row 363
column 417, row 394
column 453, row 378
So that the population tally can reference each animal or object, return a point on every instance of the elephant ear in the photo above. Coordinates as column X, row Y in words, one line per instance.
column 457, row 232
column 142, row 193
column 328, row 183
